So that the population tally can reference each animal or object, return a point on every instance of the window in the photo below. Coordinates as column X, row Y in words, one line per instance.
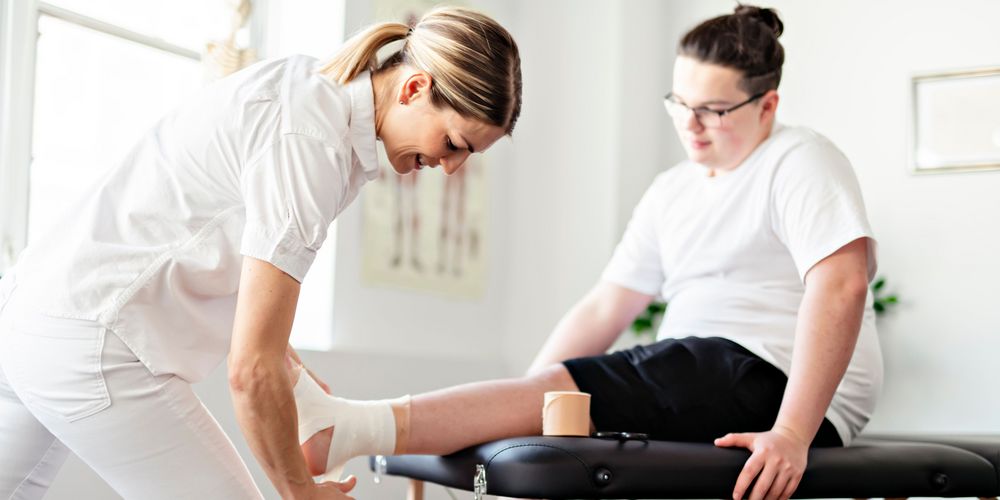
column 81, row 80
column 95, row 95
column 78, row 88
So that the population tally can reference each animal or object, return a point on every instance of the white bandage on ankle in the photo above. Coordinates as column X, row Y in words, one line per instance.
column 360, row 427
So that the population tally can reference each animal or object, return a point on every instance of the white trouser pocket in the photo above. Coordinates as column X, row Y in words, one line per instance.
column 54, row 364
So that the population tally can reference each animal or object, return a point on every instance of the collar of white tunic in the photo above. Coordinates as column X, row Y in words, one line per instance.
column 362, row 122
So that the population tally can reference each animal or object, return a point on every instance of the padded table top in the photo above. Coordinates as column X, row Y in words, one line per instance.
column 566, row 468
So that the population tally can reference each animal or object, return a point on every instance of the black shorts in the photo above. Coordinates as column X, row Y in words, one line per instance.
column 690, row 389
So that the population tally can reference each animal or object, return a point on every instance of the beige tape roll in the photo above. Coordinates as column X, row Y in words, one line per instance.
column 566, row 413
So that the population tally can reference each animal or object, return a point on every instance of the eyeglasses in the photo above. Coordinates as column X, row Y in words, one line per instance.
column 708, row 118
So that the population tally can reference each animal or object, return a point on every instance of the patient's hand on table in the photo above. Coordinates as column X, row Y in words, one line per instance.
column 778, row 459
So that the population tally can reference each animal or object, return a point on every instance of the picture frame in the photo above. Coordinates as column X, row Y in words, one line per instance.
column 955, row 121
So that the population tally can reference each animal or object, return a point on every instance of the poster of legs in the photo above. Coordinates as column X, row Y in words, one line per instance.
column 427, row 231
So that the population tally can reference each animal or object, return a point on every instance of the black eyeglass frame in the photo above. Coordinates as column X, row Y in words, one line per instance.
column 668, row 101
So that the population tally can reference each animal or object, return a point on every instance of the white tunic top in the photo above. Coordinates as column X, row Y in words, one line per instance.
column 729, row 253
column 258, row 164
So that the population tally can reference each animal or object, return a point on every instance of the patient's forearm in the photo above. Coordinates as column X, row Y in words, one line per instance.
column 592, row 325
column 578, row 334
column 826, row 334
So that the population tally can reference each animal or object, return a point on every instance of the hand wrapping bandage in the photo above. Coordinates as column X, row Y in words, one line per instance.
column 359, row 427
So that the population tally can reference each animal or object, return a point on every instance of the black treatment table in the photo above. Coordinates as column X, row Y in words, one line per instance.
column 588, row 468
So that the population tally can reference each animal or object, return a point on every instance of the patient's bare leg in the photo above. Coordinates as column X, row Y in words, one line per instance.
column 450, row 419
column 447, row 420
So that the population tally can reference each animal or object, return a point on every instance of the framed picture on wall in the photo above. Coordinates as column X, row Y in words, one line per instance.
column 956, row 121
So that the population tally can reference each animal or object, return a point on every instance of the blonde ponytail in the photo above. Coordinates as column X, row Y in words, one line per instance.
column 360, row 53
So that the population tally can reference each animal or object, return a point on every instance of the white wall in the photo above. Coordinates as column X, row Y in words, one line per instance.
column 589, row 141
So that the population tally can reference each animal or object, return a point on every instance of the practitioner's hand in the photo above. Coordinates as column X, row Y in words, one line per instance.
column 335, row 490
column 293, row 359
column 778, row 460
column 319, row 381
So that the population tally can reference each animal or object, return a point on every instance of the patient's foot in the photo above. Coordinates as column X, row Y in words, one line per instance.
column 316, row 451
column 333, row 430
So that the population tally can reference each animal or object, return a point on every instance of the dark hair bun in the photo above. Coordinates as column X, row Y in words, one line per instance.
column 764, row 15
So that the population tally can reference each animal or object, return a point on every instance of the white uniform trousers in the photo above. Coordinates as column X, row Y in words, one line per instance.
column 73, row 386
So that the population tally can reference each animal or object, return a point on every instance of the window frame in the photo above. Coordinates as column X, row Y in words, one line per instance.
column 18, row 44
column 18, row 50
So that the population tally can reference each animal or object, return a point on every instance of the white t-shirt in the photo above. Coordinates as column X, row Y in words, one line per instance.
column 729, row 253
column 258, row 164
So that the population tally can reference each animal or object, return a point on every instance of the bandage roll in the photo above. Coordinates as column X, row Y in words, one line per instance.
column 566, row 413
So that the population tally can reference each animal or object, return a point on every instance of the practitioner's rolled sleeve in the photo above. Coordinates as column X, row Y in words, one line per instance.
column 293, row 192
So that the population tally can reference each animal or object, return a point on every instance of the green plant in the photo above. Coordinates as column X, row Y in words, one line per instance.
column 881, row 301
column 647, row 321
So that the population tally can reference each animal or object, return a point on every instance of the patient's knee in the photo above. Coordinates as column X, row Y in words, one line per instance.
column 554, row 378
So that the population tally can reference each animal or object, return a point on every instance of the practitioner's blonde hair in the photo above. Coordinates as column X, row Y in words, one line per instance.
column 473, row 61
